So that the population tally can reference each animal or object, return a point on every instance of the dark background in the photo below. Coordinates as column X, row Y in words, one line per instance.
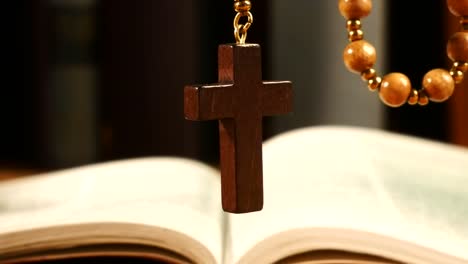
column 93, row 82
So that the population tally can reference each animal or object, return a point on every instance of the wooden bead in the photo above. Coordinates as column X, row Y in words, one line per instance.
column 458, row 7
column 438, row 85
column 395, row 89
column 457, row 47
column 355, row 9
column 359, row 56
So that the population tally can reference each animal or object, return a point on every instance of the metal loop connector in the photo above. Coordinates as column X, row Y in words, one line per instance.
column 240, row 30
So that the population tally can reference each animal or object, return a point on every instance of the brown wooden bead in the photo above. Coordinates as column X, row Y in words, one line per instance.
column 359, row 56
column 355, row 9
column 457, row 47
column 438, row 85
column 395, row 89
column 458, row 7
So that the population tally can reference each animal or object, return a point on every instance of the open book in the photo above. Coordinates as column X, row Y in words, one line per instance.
column 332, row 195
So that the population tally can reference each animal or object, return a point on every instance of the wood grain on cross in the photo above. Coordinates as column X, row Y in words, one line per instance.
column 239, row 101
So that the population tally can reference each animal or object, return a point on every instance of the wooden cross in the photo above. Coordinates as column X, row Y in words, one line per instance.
column 239, row 101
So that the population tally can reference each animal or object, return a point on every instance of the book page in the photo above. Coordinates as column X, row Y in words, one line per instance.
column 172, row 193
column 377, row 189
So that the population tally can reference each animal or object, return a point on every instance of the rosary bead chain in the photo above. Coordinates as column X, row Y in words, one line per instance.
column 242, row 7
column 395, row 88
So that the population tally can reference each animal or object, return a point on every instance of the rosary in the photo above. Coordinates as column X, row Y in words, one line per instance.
column 395, row 88
column 241, row 98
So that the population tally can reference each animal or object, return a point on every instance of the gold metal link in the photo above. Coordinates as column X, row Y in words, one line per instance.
column 460, row 66
column 355, row 35
column 240, row 30
column 457, row 75
column 374, row 83
column 242, row 6
column 353, row 24
column 464, row 23
column 368, row 74
column 413, row 98
column 423, row 99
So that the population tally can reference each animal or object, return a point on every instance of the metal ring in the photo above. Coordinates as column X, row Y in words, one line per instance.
column 240, row 31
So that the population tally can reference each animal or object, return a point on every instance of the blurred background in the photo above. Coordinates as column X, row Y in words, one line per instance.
column 88, row 81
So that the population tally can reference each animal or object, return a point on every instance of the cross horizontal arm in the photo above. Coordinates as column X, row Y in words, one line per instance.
column 208, row 102
column 277, row 98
